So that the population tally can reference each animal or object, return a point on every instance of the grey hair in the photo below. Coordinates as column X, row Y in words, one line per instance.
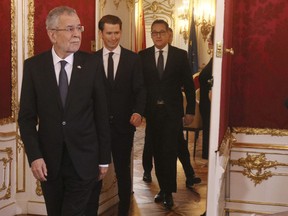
column 52, row 18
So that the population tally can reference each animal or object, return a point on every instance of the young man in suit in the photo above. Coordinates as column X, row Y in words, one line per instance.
column 166, row 70
column 63, row 117
column 126, row 102
column 183, row 153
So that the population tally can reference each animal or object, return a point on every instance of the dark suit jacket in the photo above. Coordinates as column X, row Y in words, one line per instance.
column 82, row 125
column 177, row 75
column 127, row 95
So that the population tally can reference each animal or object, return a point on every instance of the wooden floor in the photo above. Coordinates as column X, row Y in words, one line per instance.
column 186, row 202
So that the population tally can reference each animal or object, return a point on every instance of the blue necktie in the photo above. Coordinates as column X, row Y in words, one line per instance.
column 63, row 82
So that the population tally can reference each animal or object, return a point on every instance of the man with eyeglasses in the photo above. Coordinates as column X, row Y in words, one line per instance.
column 63, row 117
column 166, row 70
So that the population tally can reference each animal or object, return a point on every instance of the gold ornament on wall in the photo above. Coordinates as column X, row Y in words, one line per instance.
column 256, row 167
column 5, row 183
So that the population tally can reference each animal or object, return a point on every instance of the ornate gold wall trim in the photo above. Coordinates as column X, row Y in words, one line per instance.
column 7, row 134
column 260, row 131
column 227, row 143
column 257, row 203
column 159, row 9
column 38, row 189
column 14, row 89
column 131, row 5
column 30, row 39
column 5, row 187
column 256, row 167
column 102, row 4
column 116, row 3
column 260, row 146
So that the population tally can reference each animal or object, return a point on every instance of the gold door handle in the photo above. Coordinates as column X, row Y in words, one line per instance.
column 231, row 51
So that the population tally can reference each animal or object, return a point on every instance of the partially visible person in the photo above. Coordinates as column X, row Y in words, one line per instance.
column 65, row 131
column 183, row 152
column 126, row 103
column 170, row 32
column 205, row 78
column 166, row 70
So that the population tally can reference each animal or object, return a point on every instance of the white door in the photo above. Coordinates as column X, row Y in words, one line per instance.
column 219, row 107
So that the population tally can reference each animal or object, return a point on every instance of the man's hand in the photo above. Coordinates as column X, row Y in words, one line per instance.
column 39, row 169
column 136, row 119
column 102, row 172
column 188, row 119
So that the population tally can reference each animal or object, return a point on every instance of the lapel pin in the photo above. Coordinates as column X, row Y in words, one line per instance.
column 79, row 67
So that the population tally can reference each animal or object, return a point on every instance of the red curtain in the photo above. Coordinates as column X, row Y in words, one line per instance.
column 259, row 77
column 5, row 60
column 85, row 10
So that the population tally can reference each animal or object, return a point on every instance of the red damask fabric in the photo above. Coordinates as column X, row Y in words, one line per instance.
column 86, row 13
column 259, row 75
column 5, row 60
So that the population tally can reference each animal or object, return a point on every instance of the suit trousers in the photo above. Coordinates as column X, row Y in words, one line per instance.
column 183, row 155
column 122, row 144
column 68, row 194
column 205, row 113
column 163, row 131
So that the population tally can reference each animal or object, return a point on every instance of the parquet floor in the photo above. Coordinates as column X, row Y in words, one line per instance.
column 186, row 202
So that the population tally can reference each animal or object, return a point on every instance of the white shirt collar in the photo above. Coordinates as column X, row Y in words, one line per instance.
column 165, row 49
column 117, row 50
column 69, row 59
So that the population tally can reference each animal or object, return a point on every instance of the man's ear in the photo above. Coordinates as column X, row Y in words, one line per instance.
column 51, row 35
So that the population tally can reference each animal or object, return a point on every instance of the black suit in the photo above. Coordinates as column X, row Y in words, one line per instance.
column 163, row 122
column 125, row 96
column 205, row 106
column 74, row 138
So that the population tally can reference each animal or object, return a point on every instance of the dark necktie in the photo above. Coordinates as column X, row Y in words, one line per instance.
column 160, row 63
column 63, row 82
column 110, row 68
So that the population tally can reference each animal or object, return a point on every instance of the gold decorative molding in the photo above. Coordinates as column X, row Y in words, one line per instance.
column 14, row 90
column 30, row 39
column 250, row 202
column 227, row 143
column 255, row 167
column 260, row 131
column 38, row 189
column 116, row 3
column 7, row 172
column 20, row 165
column 159, row 9
column 102, row 4
column 260, row 146
column 7, row 134
column 130, row 5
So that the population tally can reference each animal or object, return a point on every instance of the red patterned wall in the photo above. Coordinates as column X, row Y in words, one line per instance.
column 86, row 13
column 5, row 60
column 259, row 84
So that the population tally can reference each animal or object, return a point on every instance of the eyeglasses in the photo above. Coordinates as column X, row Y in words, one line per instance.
column 70, row 29
column 155, row 33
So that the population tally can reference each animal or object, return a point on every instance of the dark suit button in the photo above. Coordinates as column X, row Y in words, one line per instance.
column 64, row 123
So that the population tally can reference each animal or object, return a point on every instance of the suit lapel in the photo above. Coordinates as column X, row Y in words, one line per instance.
column 75, row 76
column 169, row 62
column 121, row 67
column 154, row 71
column 50, row 77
